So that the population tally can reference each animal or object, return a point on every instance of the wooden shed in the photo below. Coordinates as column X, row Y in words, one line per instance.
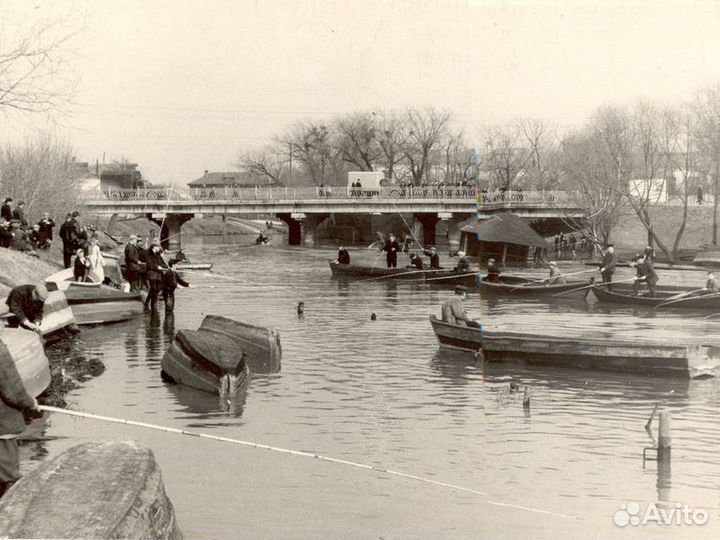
column 505, row 237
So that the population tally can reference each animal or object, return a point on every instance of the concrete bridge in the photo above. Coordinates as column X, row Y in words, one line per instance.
column 304, row 209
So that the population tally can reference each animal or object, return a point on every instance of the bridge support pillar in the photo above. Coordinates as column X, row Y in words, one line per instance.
column 453, row 222
column 294, row 228
column 170, row 229
column 310, row 228
column 424, row 226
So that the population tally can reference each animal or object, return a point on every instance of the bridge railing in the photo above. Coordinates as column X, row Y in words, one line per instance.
column 515, row 199
column 270, row 194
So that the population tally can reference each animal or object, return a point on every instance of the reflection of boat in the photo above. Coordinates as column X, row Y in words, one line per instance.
column 27, row 351
column 437, row 277
column 57, row 316
column 518, row 286
column 94, row 303
column 100, row 489
column 620, row 356
column 218, row 354
column 624, row 295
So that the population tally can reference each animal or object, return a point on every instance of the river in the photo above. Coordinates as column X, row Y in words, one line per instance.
column 381, row 393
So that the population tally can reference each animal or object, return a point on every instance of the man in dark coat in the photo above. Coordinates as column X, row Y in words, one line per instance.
column 493, row 272
column 156, row 266
column 171, row 279
column 68, row 235
column 6, row 209
column 416, row 262
column 132, row 263
column 19, row 214
column 45, row 231
column 6, row 234
column 434, row 257
column 14, row 401
column 645, row 274
column 142, row 255
column 343, row 256
column 26, row 303
column 608, row 264
column 463, row 264
column 391, row 249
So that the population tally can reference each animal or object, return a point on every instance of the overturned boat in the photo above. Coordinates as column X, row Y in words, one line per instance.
column 100, row 489
column 57, row 321
column 645, row 358
column 95, row 303
column 218, row 357
column 26, row 350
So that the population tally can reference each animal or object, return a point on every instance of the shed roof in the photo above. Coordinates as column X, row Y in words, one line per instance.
column 507, row 229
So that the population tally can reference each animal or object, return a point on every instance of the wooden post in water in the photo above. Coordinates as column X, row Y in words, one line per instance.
column 664, row 438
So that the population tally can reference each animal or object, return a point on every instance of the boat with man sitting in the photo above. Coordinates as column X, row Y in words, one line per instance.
column 505, row 285
column 440, row 276
column 673, row 296
column 587, row 353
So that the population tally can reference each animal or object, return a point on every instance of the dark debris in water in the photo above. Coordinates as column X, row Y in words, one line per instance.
column 68, row 370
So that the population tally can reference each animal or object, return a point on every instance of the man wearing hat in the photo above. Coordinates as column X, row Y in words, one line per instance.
column 493, row 272
column 556, row 276
column 463, row 264
column 608, row 264
column 26, row 303
column 343, row 256
column 434, row 257
column 68, row 235
column 645, row 273
column 132, row 263
column 415, row 262
column 391, row 249
column 453, row 310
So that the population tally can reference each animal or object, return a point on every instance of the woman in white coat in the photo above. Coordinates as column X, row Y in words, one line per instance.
column 97, row 263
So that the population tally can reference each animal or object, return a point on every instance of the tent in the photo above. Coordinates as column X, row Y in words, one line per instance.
column 506, row 236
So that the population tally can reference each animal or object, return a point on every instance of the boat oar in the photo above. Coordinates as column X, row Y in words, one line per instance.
column 386, row 276
column 683, row 297
column 456, row 276
column 292, row 452
column 598, row 285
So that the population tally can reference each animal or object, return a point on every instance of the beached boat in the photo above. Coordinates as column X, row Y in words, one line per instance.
column 27, row 350
column 215, row 358
column 518, row 286
column 100, row 489
column 441, row 276
column 57, row 320
column 95, row 303
column 604, row 354
column 625, row 296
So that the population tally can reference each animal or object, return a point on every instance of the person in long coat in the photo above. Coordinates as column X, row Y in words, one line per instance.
column 608, row 264
column 156, row 265
column 171, row 280
column 97, row 262
column 645, row 274
column 391, row 249
column 68, row 235
column 45, row 231
column 14, row 402
column 132, row 263
column 6, row 209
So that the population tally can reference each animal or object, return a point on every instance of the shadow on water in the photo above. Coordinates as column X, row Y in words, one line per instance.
column 203, row 409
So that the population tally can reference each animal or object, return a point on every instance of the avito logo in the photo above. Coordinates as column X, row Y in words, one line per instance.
column 678, row 514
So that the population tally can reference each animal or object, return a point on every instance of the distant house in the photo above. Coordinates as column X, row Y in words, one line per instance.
column 120, row 176
column 232, row 179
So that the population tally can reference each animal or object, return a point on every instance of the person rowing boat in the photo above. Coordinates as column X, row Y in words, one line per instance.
column 493, row 272
column 645, row 273
column 463, row 264
column 434, row 257
column 415, row 262
column 556, row 276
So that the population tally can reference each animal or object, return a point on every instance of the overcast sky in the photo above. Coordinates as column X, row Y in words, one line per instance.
column 181, row 86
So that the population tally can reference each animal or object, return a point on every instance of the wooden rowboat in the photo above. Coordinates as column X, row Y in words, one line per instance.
column 95, row 303
column 27, row 350
column 441, row 276
column 100, row 489
column 624, row 295
column 620, row 356
column 518, row 286
column 221, row 347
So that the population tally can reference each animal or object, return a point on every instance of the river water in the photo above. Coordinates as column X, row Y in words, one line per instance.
column 381, row 393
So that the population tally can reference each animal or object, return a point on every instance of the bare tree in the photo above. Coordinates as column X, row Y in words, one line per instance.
column 541, row 140
column 506, row 155
column 310, row 146
column 35, row 75
column 356, row 140
column 266, row 162
column 388, row 138
column 41, row 173
column 707, row 110
column 422, row 131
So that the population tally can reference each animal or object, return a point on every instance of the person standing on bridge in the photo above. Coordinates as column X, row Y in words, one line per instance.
column 391, row 249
